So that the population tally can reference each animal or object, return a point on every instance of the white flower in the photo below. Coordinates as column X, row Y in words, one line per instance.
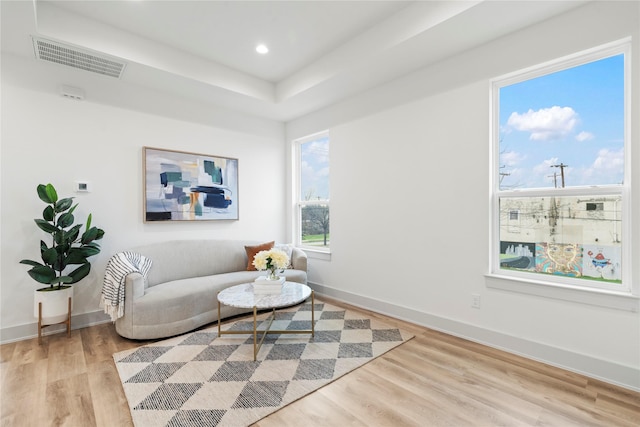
column 271, row 260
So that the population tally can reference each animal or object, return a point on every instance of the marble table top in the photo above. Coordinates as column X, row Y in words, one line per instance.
column 242, row 296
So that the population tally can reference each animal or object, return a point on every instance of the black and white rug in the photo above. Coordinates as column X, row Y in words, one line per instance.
column 200, row 379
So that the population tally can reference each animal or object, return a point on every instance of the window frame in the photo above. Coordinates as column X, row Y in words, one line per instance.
column 298, row 204
column 557, row 286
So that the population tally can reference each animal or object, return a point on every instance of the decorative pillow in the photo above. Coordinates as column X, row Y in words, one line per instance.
column 253, row 250
column 287, row 249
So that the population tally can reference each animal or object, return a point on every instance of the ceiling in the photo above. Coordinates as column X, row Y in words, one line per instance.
column 321, row 52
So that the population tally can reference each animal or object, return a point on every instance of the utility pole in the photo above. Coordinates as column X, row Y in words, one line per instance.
column 503, row 174
column 555, row 179
column 561, row 166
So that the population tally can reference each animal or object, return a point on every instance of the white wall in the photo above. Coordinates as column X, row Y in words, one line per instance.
column 410, row 208
column 48, row 138
column 409, row 160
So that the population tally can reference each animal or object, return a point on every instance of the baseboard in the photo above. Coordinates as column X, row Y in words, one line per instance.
column 614, row 373
column 30, row 330
column 610, row 372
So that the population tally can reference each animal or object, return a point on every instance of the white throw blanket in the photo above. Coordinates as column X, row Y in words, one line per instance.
column 118, row 267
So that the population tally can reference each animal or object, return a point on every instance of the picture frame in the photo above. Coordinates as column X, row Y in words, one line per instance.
column 186, row 186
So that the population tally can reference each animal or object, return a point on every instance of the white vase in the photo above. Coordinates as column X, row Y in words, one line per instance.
column 55, row 305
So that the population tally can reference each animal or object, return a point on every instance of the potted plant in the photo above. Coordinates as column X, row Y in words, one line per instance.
column 68, row 249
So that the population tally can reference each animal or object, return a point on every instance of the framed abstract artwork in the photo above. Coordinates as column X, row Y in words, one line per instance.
column 183, row 186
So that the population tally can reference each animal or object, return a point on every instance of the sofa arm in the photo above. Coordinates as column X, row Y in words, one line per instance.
column 299, row 259
column 134, row 286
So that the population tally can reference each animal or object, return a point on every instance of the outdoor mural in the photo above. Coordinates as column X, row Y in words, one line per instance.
column 564, row 259
column 518, row 255
column 602, row 262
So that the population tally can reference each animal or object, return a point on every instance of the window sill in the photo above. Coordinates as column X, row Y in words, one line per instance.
column 313, row 253
column 597, row 297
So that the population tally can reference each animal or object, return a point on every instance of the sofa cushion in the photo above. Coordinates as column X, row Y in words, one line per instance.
column 253, row 250
column 287, row 249
column 182, row 259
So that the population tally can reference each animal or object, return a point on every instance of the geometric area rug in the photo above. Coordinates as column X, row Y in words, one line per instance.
column 200, row 379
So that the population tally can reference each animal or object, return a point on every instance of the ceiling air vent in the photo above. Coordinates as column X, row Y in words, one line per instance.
column 71, row 56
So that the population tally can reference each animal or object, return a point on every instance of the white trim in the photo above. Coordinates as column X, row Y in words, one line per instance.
column 592, row 296
column 317, row 253
column 535, row 281
column 604, row 370
column 579, row 58
column 30, row 330
column 296, row 202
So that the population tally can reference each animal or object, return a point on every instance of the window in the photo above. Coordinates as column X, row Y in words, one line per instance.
column 560, row 192
column 312, row 192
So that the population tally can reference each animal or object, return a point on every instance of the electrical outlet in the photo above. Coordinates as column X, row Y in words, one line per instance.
column 475, row 300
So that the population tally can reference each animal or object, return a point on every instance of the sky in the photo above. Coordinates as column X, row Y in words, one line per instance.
column 314, row 169
column 573, row 117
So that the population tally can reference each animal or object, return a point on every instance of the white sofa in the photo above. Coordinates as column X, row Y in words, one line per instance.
column 180, row 291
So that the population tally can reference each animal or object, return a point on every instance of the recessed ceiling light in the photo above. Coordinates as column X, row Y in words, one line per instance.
column 262, row 49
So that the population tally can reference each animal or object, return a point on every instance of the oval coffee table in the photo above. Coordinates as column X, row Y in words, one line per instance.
column 242, row 296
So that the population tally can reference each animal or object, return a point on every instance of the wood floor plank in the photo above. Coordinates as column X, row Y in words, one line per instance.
column 435, row 379
column 23, row 394
column 6, row 352
column 69, row 402
column 313, row 410
column 66, row 356
column 111, row 409
column 431, row 378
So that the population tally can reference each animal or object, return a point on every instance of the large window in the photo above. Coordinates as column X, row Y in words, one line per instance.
column 312, row 192
column 560, row 172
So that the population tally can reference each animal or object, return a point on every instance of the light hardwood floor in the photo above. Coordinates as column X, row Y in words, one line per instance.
column 432, row 380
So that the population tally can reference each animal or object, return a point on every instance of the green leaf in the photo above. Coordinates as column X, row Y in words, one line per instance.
column 48, row 214
column 65, row 220
column 80, row 272
column 42, row 274
column 45, row 226
column 72, row 234
column 47, row 193
column 90, row 249
column 50, row 256
column 61, row 279
column 76, row 256
column 30, row 262
column 88, row 222
column 64, row 204
column 89, row 235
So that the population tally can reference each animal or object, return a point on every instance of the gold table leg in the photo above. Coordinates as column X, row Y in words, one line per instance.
column 267, row 330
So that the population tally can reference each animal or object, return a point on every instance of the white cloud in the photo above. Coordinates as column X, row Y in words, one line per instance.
column 511, row 158
column 607, row 168
column 545, row 166
column 546, row 123
column 608, row 160
column 318, row 149
column 584, row 136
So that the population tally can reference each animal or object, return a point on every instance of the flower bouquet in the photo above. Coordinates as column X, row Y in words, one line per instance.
column 272, row 260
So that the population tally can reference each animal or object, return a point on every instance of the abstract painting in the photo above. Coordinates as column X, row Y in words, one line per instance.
column 183, row 186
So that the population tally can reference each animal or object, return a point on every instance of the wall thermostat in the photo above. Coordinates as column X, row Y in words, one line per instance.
column 82, row 187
